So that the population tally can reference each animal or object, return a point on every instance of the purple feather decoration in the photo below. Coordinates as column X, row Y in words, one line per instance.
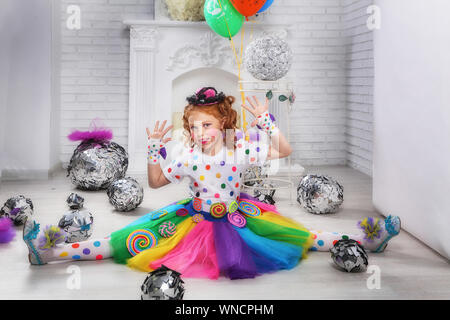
column 50, row 237
column 96, row 132
column 7, row 231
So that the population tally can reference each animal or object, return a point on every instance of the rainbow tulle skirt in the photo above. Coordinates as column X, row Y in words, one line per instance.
column 253, row 240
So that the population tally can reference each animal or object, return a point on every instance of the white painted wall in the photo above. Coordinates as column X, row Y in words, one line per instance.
column 359, row 84
column 411, row 171
column 26, row 88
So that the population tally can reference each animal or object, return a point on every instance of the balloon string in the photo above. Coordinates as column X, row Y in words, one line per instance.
column 239, row 62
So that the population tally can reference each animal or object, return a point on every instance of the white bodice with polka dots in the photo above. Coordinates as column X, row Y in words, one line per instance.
column 218, row 178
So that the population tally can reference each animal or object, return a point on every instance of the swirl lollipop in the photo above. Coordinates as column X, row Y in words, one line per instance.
column 158, row 214
column 197, row 204
column 249, row 209
column 167, row 229
column 218, row 210
column 140, row 240
column 182, row 212
column 233, row 206
column 237, row 219
column 198, row 217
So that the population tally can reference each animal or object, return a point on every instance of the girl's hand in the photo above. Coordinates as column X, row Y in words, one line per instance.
column 256, row 108
column 159, row 132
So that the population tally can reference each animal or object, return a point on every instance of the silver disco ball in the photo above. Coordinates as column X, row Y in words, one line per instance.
column 125, row 194
column 319, row 194
column 95, row 164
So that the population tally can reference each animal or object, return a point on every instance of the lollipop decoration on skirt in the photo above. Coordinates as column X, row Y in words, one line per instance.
column 125, row 194
column 18, row 209
column 77, row 223
column 163, row 284
column 268, row 58
column 320, row 194
column 97, row 161
column 349, row 255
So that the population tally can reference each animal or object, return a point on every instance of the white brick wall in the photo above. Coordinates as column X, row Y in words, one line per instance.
column 318, row 120
column 94, row 67
column 359, row 75
column 94, row 75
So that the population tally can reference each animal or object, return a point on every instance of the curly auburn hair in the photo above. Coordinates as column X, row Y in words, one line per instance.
column 222, row 111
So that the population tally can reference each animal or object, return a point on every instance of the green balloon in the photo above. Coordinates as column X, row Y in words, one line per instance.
column 218, row 17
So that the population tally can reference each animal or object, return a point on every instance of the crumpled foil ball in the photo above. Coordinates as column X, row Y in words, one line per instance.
column 162, row 284
column 265, row 192
column 75, row 201
column 254, row 175
column 186, row 10
column 95, row 164
column 268, row 58
column 125, row 194
column 319, row 194
column 18, row 209
column 349, row 255
column 78, row 225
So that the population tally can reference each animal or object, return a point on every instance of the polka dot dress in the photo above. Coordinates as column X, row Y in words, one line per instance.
column 217, row 178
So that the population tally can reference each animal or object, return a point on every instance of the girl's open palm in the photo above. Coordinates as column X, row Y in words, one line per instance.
column 256, row 108
column 159, row 132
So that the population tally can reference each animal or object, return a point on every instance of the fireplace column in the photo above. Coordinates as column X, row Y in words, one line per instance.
column 143, row 40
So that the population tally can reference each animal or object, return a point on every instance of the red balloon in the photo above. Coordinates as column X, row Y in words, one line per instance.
column 248, row 7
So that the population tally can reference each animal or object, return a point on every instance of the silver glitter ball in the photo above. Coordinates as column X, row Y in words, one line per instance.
column 254, row 175
column 75, row 201
column 162, row 284
column 268, row 58
column 77, row 223
column 18, row 209
column 349, row 256
column 95, row 164
column 319, row 194
column 125, row 194
column 265, row 192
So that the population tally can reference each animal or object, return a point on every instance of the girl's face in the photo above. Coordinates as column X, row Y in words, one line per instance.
column 205, row 129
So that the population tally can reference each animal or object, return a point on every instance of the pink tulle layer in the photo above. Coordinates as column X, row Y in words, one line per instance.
column 195, row 255
column 99, row 135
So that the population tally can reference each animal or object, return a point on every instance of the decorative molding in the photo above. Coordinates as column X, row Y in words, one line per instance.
column 144, row 35
column 211, row 50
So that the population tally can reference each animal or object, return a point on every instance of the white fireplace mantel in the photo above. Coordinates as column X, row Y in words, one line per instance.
column 163, row 51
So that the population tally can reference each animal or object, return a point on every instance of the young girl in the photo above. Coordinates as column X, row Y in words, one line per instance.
column 218, row 230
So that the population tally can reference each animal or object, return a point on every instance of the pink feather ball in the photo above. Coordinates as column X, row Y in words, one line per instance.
column 7, row 231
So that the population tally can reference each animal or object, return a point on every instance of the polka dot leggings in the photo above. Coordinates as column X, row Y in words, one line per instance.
column 96, row 249
column 324, row 241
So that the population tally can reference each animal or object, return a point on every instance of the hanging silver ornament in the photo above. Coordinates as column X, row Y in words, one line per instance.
column 95, row 164
column 319, row 194
column 18, row 209
column 349, row 255
column 163, row 284
column 125, row 194
column 268, row 58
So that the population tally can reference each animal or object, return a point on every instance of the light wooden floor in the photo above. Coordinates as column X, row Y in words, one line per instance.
column 408, row 268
